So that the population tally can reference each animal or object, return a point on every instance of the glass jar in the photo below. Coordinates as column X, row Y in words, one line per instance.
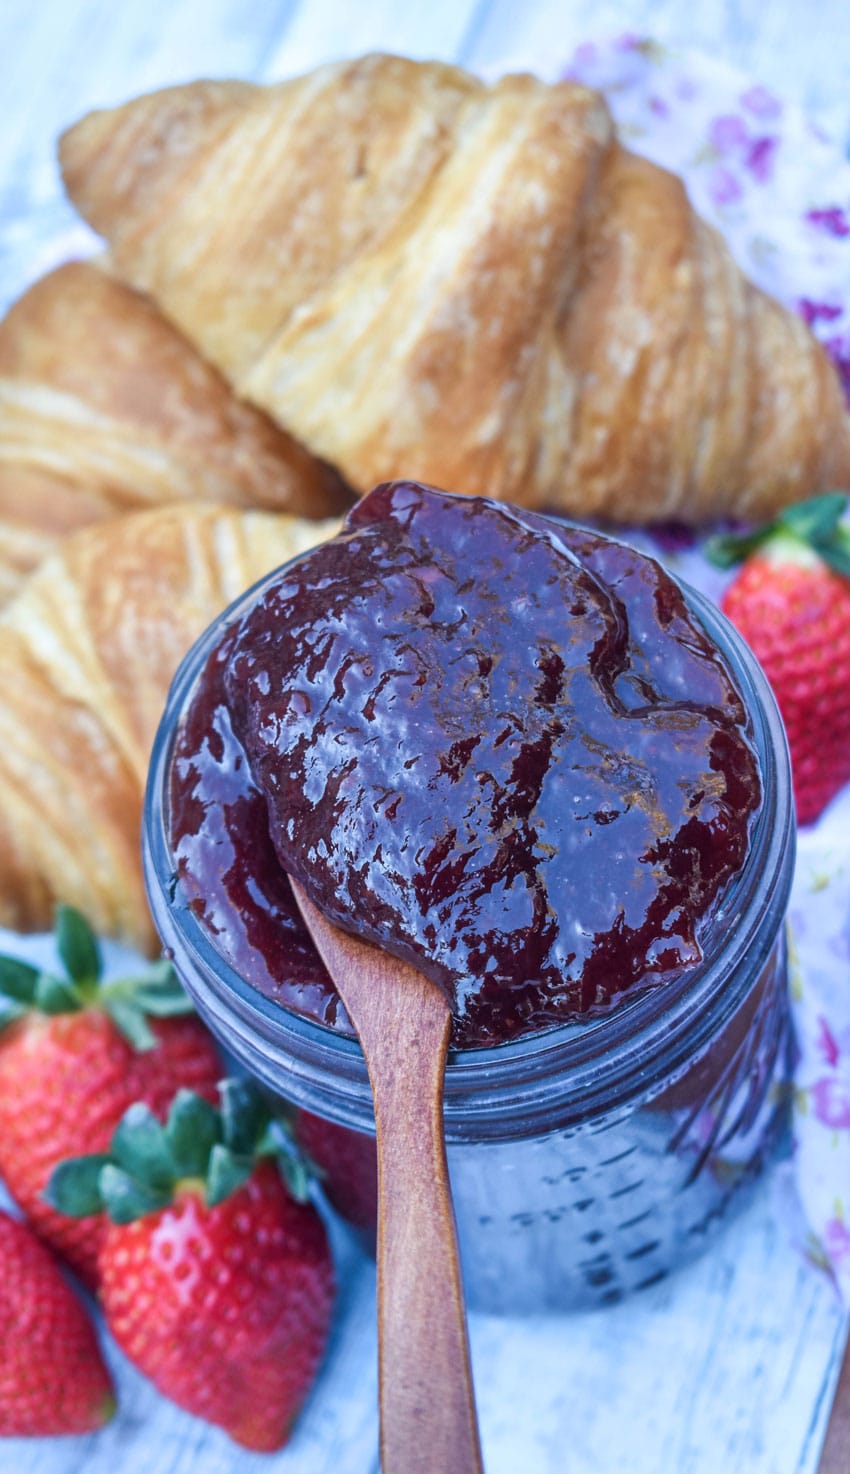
column 588, row 1159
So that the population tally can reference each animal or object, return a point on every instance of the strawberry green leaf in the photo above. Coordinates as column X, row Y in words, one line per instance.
column 125, row 1199
column 244, row 1114
column 162, row 974
column 724, row 550
column 296, row 1173
column 160, row 992
column 140, row 1146
column 155, row 992
column 836, row 553
column 130, row 1001
column 227, row 1172
column 56, row 995
column 193, row 1128
column 74, row 1186
column 131, row 1022
column 814, row 524
column 78, row 947
column 158, row 1003
column 815, row 519
column 18, row 980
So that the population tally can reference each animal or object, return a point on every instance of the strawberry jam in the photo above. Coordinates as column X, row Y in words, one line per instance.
column 496, row 746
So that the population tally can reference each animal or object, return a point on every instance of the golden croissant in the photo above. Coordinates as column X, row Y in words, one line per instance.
column 423, row 275
column 105, row 406
column 87, row 652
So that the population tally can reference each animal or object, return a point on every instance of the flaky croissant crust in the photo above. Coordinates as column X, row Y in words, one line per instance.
column 87, row 652
column 105, row 407
column 425, row 276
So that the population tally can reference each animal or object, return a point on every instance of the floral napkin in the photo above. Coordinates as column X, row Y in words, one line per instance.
column 779, row 191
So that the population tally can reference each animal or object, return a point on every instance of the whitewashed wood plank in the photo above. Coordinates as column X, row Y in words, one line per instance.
column 325, row 30
column 58, row 60
column 720, row 1368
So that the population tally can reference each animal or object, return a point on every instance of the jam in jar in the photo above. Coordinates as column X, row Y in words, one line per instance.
column 520, row 756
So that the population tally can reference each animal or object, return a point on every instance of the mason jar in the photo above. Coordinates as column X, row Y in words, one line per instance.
column 587, row 1159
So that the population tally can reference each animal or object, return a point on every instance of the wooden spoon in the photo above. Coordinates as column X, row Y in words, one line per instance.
column 402, row 1019
column 835, row 1454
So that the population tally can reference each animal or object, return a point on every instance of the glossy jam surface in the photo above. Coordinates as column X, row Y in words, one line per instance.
column 500, row 748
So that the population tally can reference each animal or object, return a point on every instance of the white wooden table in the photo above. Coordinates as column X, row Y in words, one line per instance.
column 731, row 1365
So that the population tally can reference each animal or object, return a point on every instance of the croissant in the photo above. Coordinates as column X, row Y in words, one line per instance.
column 87, row 651
column 477, row 286
column 104, row 406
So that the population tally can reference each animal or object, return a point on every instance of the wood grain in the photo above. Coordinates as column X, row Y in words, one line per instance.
column 428, row 1421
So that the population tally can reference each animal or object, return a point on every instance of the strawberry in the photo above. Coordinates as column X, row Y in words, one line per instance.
column 348, row 1165
column 52, row 1375
column 791, row 602
column 214, row 1280
column 73, row 1055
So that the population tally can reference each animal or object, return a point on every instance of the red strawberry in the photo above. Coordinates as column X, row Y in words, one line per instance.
column 52, row 1375
column 68, row 1071
column 214, row 1280
column 791, row 602
column 348, row 1164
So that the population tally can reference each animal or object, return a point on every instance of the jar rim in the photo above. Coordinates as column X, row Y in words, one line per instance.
column 558, row 1075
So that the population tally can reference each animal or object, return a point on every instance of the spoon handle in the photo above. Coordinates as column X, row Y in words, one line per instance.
column 428, row 1420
